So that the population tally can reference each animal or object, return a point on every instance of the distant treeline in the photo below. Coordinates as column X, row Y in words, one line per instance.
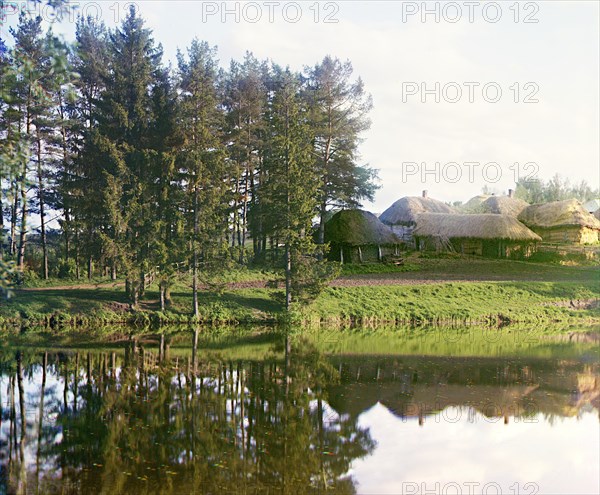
column 556, row 189
column 152, row 170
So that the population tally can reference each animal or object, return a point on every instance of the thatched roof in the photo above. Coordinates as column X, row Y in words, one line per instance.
column 474, row 205
column 559, row 214
column 504, row 205
column 405, row 210
column 473, row 226
column 358, row 228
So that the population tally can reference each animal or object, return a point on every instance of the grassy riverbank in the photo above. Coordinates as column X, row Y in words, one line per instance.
column 426, row 290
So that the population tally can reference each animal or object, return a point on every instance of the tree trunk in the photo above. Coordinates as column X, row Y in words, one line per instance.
column 65, row 157
column 288, row 277
column 22, row 477
column 195, row 257
column 1, row 225
column 142, row 283
column 162, row 290
column 245, row 204
column 77, row 269
column 23, row 229
column 14, row 214
column 67, row 232
column 235, row 226
column 41, row 203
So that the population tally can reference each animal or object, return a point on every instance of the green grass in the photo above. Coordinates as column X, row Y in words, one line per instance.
column 496, row 301
column 510, row 292
column 371, row 268
column 476, row 267
column 540, row 341
column 257, row 343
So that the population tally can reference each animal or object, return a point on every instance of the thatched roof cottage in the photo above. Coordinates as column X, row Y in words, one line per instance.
column 562, row 222
column 482, row 234
column 401, row 217
column 357, row 236
column 500, row 205
column 474, row 205
column 504, row 205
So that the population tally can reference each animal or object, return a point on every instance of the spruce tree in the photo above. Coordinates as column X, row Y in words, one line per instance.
column 291, row 188
column 119, row 152
column 202, row 160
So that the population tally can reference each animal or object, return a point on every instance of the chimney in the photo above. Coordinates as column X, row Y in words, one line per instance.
column 510, row 193
column 425, row 193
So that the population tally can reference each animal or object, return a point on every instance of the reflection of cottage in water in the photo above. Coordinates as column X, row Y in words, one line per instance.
column 409, row 388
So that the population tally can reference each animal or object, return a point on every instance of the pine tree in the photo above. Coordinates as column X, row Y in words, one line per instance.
column 338, row 115
column 80, row 176
column 245, row 101
column 49, row 148
column 29, row 104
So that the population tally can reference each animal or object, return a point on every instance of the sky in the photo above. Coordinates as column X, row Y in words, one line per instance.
column 408, row 458
column 466, row 94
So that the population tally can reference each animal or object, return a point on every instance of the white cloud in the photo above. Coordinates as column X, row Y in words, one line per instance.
column 482, row 451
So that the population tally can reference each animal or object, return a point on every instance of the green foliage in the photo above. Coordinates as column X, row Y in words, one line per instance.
column 66, row 269
column 556, row 189
column 311, row 276
column 291, row 187
column 338, row 115
column 7, row 274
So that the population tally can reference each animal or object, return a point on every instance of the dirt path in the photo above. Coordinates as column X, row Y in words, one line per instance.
column 376, row 279
column 114, row 285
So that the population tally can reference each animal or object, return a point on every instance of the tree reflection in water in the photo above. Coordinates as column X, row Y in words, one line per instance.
column 141, row 421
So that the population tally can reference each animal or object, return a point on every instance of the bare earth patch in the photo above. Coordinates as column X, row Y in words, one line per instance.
column 577, row 304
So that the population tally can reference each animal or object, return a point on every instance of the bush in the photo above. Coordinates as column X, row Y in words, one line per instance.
column 310, row 277
column 66, row 269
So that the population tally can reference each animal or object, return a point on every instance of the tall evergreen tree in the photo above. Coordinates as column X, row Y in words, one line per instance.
column 245, row 99
column 291, row 188
column 29, row 102
column 80, row 175
column 202, row 159
column 49, row 146
column 339, row 114
column 120, row 152
column 167, row 250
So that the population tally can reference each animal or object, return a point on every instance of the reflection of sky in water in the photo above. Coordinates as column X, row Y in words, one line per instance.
column 457, row 446
column 552, row 437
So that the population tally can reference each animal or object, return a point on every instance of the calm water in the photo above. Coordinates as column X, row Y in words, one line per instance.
column 300, row 416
